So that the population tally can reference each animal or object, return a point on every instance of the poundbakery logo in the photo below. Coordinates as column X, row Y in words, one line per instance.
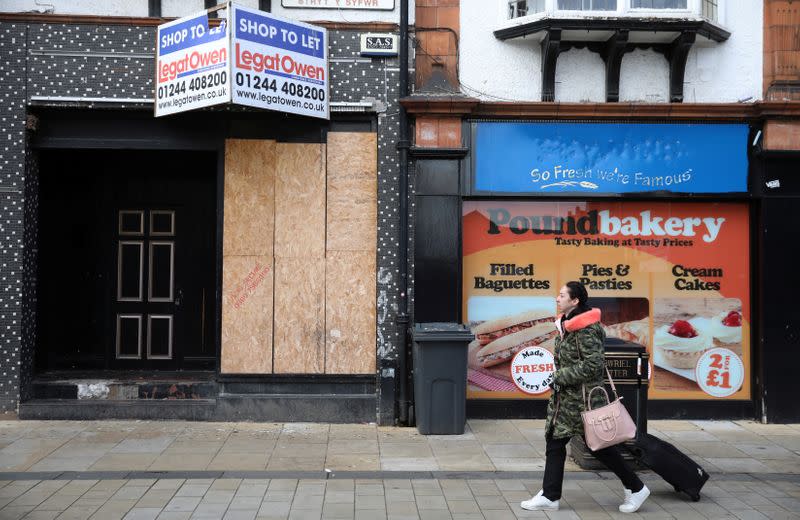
column 603, row 222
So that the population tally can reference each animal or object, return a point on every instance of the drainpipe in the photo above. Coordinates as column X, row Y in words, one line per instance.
column 402, row 320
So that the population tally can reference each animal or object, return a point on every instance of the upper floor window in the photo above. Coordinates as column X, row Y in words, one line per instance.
column 517, row 8
column 520, row 8
column 658, row 4
column 710, row 9
column 587, row 5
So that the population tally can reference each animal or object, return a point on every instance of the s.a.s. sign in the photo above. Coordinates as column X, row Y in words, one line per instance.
column 609, row 158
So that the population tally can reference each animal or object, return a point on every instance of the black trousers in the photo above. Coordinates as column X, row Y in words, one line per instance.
column 556, row 456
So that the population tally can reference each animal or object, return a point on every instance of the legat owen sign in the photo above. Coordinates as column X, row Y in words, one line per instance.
column 253, row 58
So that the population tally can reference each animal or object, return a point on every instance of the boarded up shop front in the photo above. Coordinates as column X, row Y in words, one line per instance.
column 299, row 256
column 236, row 270
column 299, row 228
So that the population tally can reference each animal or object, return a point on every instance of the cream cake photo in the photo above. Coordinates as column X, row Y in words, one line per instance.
column 684, row 329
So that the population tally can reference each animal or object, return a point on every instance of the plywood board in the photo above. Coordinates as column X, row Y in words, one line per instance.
column 249, row 202
column 300, row 201
column 352, row 187
column 299, row 337
column 247, row 283
column 350, row 303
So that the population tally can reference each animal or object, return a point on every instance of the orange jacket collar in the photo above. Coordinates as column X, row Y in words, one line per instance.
column 581, row 320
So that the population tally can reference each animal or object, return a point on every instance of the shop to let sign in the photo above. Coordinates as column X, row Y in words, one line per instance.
column 609, row 158
column 279, row 65
column 257, row 60
column 192, row 65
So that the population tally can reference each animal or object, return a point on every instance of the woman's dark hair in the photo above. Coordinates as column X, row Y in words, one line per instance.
column 577, row 291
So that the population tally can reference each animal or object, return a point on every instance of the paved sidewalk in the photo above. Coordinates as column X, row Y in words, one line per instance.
column 170, row 470
column 368, row 499
column 487, row 445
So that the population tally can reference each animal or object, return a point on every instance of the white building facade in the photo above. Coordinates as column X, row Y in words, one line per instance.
column 576, row 129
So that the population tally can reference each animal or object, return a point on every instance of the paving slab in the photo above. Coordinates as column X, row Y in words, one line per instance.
column 147, row 469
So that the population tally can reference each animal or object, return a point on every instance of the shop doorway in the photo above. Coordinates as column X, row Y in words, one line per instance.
column 126, row 260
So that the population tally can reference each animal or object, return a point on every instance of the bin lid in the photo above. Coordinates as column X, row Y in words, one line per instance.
column 442, row 331
column 620, row 345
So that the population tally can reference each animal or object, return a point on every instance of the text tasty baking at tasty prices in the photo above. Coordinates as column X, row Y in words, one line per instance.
column 674, row 277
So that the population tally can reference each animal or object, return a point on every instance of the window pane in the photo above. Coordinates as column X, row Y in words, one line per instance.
column 710, row 9
column 588, row 5
column 517, row 8
column 659, row 4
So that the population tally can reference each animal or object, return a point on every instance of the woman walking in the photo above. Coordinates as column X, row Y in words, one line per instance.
column 579, row 356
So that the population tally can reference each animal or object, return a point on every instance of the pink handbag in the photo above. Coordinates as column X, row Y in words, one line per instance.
column 608, row 425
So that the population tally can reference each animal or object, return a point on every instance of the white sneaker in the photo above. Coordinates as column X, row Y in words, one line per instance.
column 540, row 503
column 633, row 501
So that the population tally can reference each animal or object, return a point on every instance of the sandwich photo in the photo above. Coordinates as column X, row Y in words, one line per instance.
column 503, row 349
column 492, row 330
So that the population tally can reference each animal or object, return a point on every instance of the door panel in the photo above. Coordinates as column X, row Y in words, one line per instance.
column 130, row 270
column 159, row 336
column 129, row 336
column 162, row 271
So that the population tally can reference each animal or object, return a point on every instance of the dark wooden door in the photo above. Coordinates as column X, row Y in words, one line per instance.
column 145, row 280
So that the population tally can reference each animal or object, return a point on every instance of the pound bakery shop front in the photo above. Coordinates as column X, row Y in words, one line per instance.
column 655, row 219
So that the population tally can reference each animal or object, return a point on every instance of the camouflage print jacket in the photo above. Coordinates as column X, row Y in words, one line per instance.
column 574, row 370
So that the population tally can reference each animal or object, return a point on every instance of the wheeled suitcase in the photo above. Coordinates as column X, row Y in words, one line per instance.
column 670, row 463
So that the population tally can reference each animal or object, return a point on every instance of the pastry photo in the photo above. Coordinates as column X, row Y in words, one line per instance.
column 684, row 329
column 726, row 330
column 625, row 318
column 681, row 343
